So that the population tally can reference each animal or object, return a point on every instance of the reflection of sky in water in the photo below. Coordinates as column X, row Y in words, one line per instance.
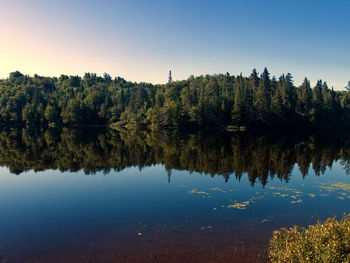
column 53, row 204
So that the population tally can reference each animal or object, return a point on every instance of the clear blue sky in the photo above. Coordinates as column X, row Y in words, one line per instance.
column 143, row 40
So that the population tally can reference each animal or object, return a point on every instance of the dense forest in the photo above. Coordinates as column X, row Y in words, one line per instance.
column 198, row 103
column 260, row 157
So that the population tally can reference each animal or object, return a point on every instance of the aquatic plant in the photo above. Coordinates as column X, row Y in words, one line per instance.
column 324, row 242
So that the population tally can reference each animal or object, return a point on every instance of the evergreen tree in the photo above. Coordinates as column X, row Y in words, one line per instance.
column 304, row 103
column 262, row 101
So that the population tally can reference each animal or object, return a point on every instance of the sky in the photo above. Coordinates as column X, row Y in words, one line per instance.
column 141, row 40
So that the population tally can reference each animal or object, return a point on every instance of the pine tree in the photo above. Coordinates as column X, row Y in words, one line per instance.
column 304, row 103
column 262, row 103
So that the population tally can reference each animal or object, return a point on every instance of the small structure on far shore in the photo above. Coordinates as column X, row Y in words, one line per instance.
column 170, row 77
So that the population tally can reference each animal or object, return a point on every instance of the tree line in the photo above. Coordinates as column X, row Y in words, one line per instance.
column 198, row 103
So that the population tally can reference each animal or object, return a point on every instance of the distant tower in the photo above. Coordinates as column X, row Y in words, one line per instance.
column 170, row 78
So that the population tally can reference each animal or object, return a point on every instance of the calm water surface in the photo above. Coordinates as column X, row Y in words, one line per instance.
column 152, row 202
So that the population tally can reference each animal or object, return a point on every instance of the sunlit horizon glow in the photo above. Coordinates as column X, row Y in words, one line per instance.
column 142, row 40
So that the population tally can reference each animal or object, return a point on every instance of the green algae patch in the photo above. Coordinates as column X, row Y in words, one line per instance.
column 240, row 206
column 199, row 193
column 297, row 201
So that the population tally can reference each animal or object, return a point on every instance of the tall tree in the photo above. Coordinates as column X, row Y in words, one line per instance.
column 262, row 101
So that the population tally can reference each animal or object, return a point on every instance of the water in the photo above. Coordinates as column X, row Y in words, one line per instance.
column 105, row 196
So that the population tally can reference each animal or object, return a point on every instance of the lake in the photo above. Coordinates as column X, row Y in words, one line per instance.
column 98, row 195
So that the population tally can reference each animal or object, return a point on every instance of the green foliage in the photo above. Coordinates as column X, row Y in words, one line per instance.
column 51, row 114
column 324, row 242
column 198, row 103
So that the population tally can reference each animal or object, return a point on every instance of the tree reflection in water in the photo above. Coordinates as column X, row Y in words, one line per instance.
column 227, row 155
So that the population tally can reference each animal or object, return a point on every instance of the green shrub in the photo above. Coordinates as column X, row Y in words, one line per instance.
column 328, row 242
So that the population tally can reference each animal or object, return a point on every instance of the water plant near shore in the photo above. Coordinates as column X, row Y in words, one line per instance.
column 323, row 242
